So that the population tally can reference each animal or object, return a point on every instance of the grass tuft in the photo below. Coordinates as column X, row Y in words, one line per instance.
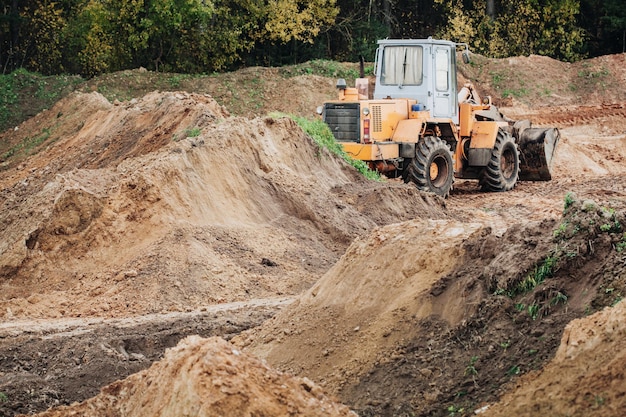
column 322, row 135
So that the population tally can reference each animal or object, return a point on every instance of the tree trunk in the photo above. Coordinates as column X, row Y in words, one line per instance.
column 491, row 8
column 387, row 14
column 14, row 20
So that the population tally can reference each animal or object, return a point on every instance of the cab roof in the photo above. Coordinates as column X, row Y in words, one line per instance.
column 429, row 41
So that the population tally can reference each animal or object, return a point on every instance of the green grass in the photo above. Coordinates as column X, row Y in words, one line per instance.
column 23, row 94
column 512, row 92
column 27, row 146
column 322, row 135
column 193, row 132
column 470, row 369
column 513, row 370
column 537, row 276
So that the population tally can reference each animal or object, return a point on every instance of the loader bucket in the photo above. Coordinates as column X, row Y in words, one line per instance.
column 537, row 146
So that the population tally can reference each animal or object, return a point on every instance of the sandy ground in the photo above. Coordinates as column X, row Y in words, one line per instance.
column 142, row 222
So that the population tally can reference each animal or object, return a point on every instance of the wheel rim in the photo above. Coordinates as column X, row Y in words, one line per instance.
column 439, row 171
column 507, row 163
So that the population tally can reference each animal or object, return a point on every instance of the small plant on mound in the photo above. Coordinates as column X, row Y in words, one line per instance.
column 193, row 132
column 543, row 270
column 322, row 135
column 621, row 245
column 570, row 198
column 470, row 369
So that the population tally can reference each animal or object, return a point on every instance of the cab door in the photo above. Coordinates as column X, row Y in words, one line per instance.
column 445, row 104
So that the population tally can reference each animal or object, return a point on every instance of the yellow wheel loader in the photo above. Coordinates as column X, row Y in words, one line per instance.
column 420, row 127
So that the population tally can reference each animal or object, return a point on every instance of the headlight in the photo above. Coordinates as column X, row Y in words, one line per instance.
column 366, row 111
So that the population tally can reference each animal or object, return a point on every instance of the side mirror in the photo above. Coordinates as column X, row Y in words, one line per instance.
column 465, row 55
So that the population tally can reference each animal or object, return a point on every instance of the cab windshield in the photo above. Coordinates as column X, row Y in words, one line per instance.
column 402, row 65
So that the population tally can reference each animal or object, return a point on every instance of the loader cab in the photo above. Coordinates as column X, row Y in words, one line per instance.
column 420, row 69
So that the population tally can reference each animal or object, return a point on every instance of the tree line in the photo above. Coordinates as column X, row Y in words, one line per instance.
column 91, row 37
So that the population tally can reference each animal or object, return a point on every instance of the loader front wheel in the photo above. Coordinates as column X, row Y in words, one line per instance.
column 502, row 172
column 431, row 169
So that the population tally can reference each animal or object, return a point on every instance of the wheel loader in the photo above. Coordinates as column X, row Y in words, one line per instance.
column 419, row 126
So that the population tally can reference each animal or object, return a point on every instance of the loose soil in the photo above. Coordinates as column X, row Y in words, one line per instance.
column 137, row 223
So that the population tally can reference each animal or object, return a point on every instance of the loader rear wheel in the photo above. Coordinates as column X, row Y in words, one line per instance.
column 431, row 169
column 502, row 172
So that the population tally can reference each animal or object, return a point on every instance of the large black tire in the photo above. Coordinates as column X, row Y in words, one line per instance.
column 432, row 168
column 502, row 172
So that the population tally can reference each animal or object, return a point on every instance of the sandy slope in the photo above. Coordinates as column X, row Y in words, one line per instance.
column 142, row 219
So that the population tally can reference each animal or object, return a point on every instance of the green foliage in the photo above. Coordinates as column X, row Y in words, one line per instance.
column 3, row 397
column 588, row 72
column 613, row 18
column 322, row 135
column 618, row 298
column 8, row 97
column 517, row 93
column 45, row 23
column 91, row 37
column 539, row 274
column 546, row 28
column 621, row 245
column 95, row 42
column 612, row 227
column 193, row 132
column 513, row 370
column 570, row 199
column 27, row 146
column 470, row 369
column 595, row 400
column 533, row 310
column 453, row 410
column 24, row 94
column 559, row 232
column 287, row 20
column 322, row 67
column 559, row 298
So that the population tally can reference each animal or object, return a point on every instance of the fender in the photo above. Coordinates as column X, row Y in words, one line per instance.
column 481, row 143
column 408, row 130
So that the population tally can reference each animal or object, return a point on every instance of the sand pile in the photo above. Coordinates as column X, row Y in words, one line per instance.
column 207, row 377
column 586, row 377
column 166, row 204
column 353, row 317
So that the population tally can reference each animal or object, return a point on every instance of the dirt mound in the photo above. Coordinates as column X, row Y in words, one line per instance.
column 432, row 318
column 359, row 310
column 591, row 351
column 532, row 82
column 163, row 204
column 207, row 377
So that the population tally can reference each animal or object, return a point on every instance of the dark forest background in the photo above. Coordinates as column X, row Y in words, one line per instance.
column 90, row 37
